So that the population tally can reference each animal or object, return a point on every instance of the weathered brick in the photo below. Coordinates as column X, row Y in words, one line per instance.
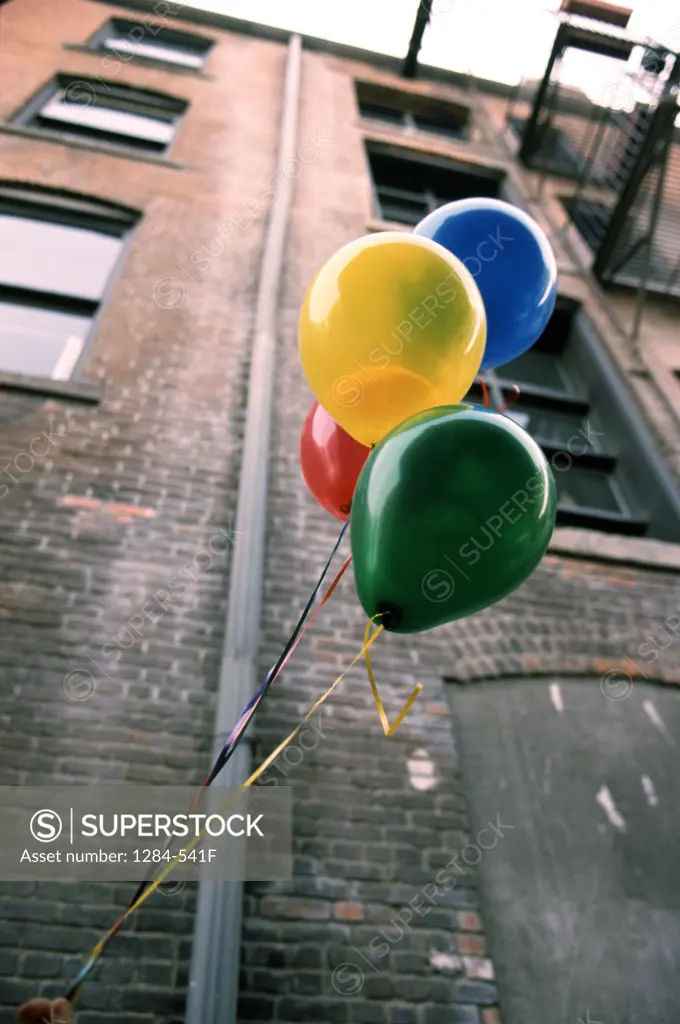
column 349, row 911
column 474, row 944
column 295, row 909
column 402, row 1014
column 453, row 1015
column 411, row 961
column 478, row 967
column 306, row 983
column 265, row 956
column 476, row 992
column 307, row 956
column 377, row 986
column 368, row 1013
column 333, row 1011
column 255, row 1008
column 41, row 965
column 469, row 921
column 9, row 963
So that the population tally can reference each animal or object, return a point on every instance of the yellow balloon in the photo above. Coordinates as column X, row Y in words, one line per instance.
column 391, row 325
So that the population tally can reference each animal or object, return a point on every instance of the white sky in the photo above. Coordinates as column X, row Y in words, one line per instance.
column 498, row 39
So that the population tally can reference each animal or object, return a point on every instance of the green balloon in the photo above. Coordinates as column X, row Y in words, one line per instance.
column 453, row 510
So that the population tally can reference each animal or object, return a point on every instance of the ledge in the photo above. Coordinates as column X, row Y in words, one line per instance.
column 88, row 392
column 376, row 224
column 608, row 547
column 147, row 62
column 45, row 135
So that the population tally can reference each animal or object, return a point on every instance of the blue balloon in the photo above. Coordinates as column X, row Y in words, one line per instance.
column 513, row 265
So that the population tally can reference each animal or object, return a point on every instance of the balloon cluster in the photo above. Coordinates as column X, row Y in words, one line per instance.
column 452, row 504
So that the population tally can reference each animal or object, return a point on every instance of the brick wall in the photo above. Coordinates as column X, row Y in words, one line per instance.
column 131, row 498
column 134, row 501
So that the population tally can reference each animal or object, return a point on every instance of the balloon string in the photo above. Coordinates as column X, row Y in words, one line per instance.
column 232, row 742
column 291, row 643
column 388, row 729
column 513, row 401
column 102, row 944
column 507, row 405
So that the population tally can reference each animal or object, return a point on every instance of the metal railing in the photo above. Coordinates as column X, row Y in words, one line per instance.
column 621, row 147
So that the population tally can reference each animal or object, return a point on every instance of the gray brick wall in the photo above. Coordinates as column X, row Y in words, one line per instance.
column 134, row 502
column 122, row 512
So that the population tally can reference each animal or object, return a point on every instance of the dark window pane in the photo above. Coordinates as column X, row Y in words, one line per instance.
column 380, row 113
column 402, row 205
column 55, row 258
column 447, row 183
column 82, row 92
column 401, row 208
column 553, row 427
column 402, row 213
column 588, row 488
column 54, row 205
column 104, row 119
column 40, row 342
column 440, row 125
column 539, row 369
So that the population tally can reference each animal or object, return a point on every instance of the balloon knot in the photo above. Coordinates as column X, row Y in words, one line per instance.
column 389, row 617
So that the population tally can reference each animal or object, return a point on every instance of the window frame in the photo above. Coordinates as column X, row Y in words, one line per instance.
column 626, row 452
column 110, row 142
column 70, row 209
column 453, row 165
column 410, row 107
column 96, row 43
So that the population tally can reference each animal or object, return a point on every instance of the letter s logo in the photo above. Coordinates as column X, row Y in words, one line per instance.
column 46, row 826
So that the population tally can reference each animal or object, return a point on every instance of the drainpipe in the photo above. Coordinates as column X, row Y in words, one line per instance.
column 214, row 974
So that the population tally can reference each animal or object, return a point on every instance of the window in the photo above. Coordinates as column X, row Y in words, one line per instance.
column 106, row 112
column 608, row 474
column 406, row 188
column 57, row 253
column 144, row 40
column 417, row 113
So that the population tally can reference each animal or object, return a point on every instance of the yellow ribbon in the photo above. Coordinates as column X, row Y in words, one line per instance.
column 388, row 729
column 255, row 776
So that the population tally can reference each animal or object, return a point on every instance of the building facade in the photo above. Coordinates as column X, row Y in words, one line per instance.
column 443, row 874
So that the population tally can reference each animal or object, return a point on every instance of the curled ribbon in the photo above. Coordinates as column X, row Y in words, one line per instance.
column 388, row 729
column 103, row 943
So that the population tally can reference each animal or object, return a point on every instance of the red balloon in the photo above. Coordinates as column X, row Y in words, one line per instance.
column 331, row 461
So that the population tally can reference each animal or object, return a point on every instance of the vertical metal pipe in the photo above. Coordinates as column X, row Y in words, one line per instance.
column 213, row 983
column 410, row 68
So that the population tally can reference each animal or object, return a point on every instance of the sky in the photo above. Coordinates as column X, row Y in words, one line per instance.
column 502, row 40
